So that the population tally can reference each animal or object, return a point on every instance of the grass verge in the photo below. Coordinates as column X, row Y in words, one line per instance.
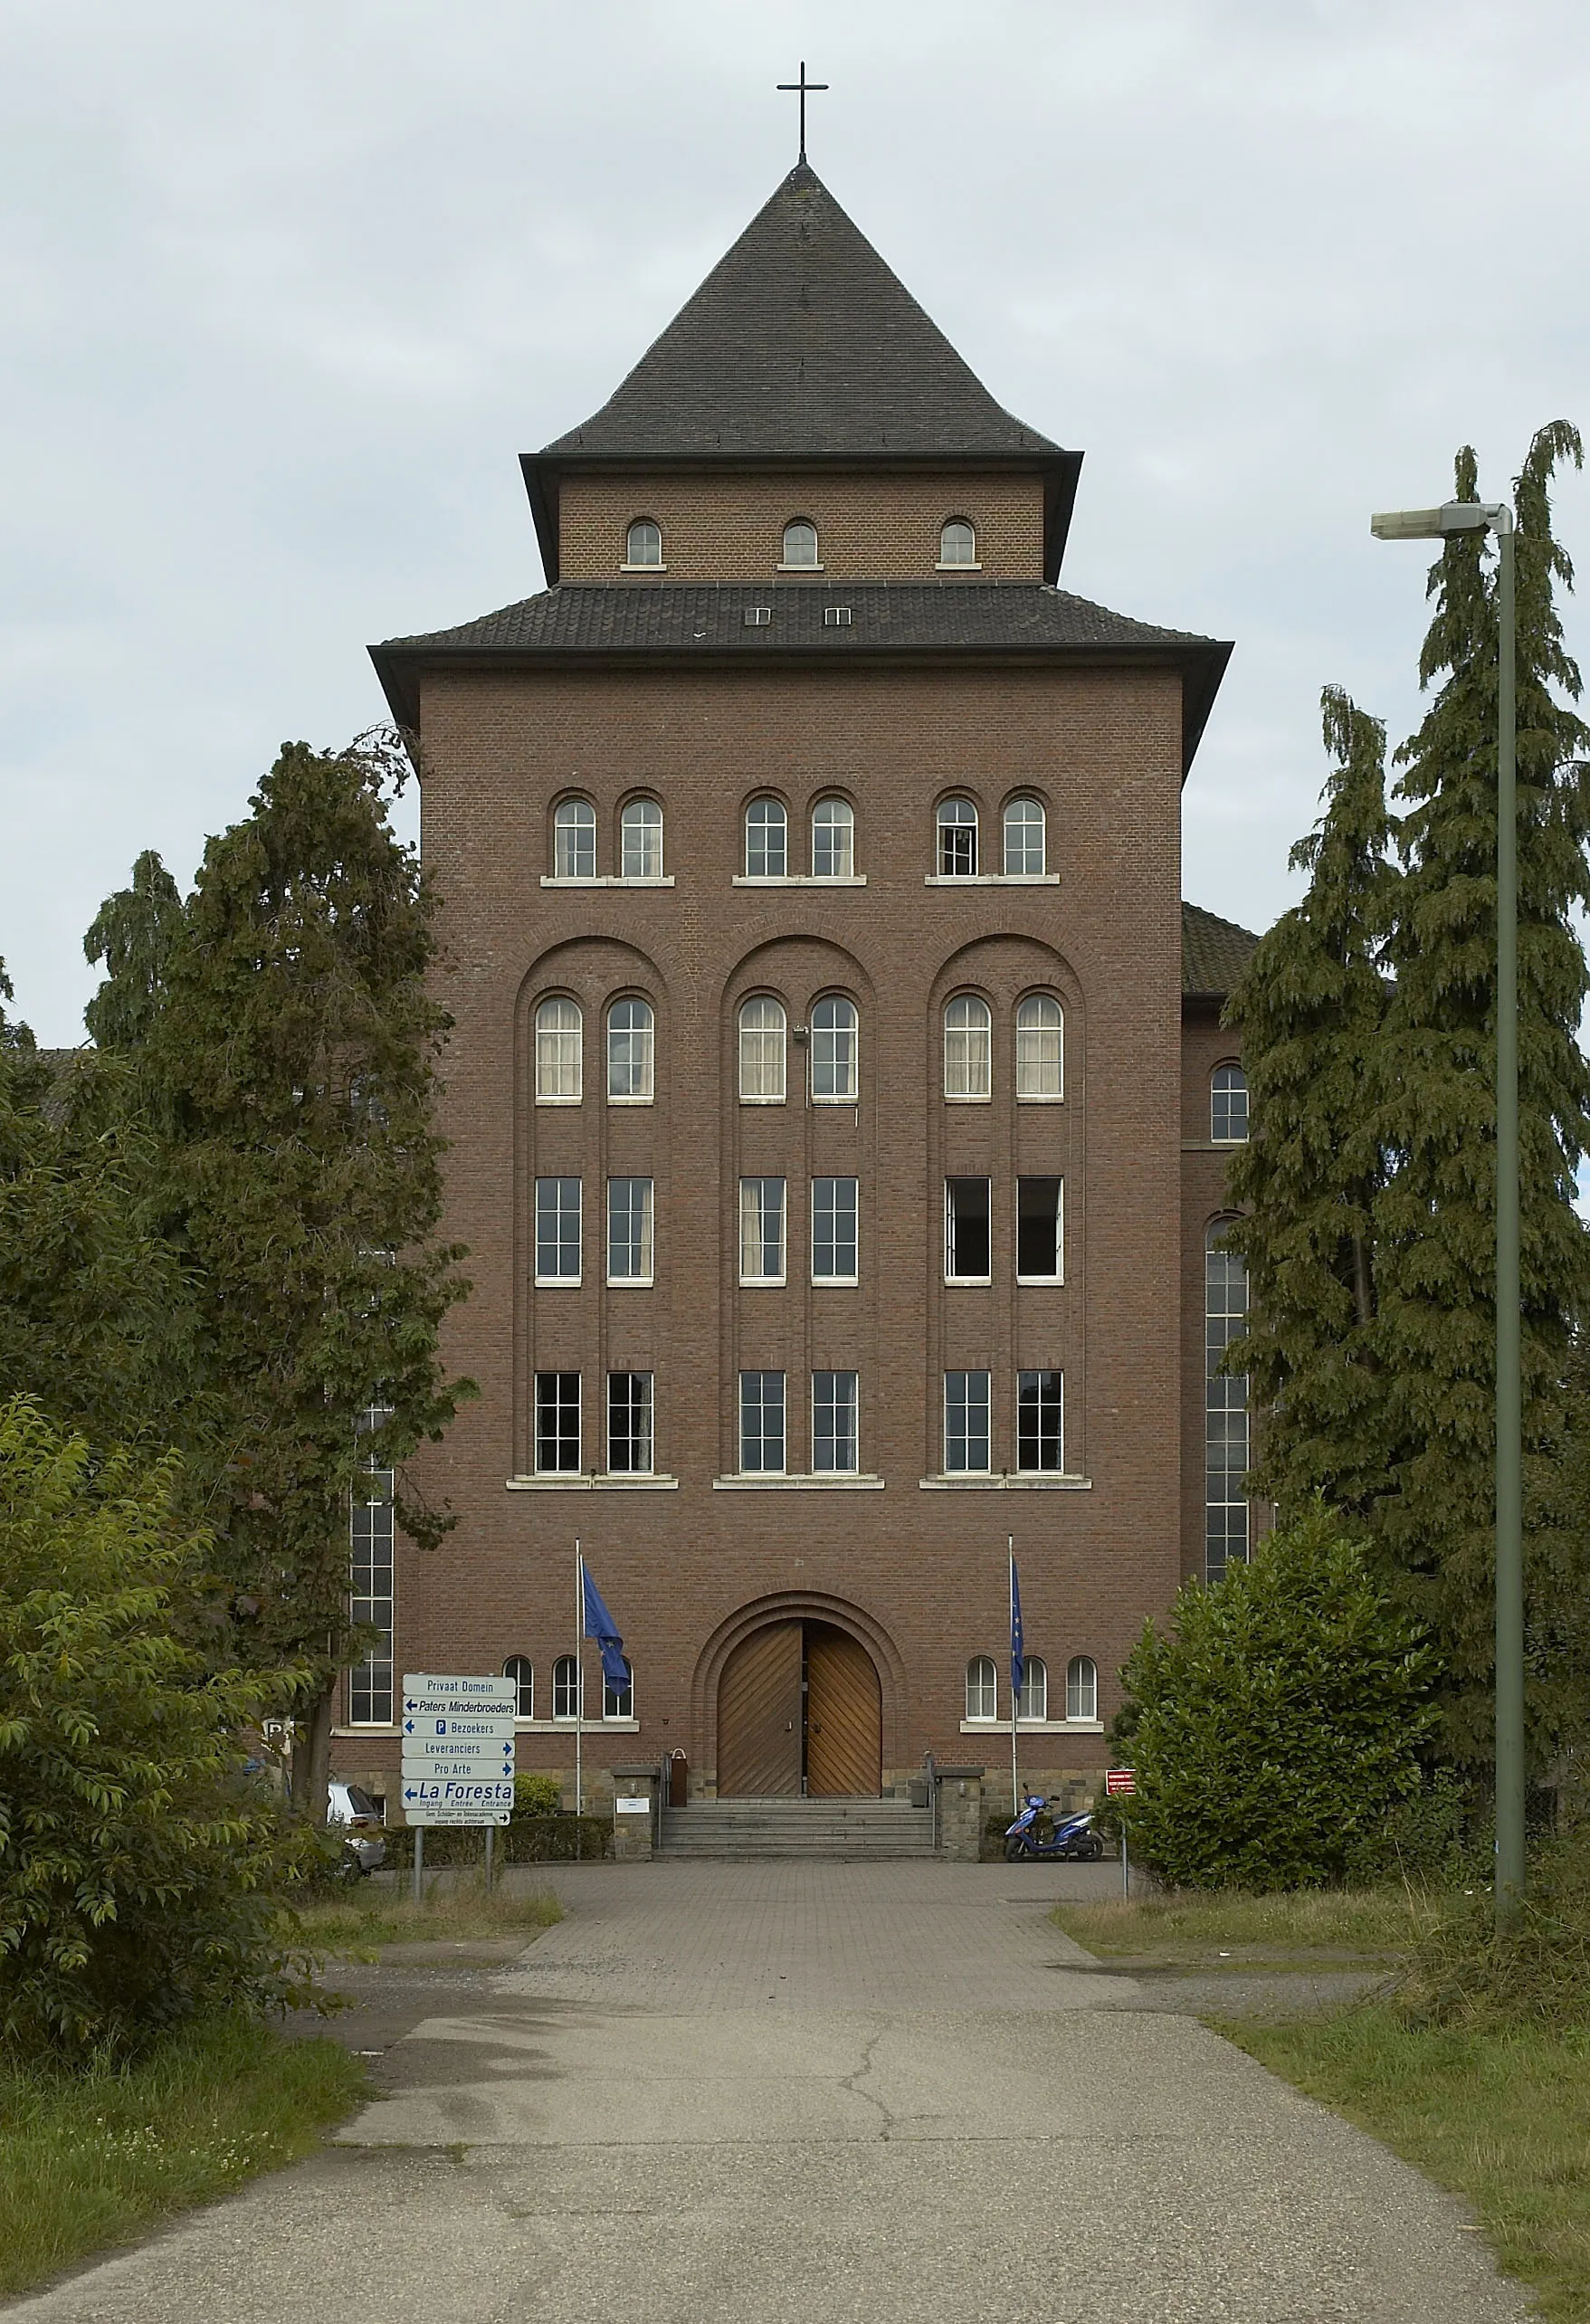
column 1498, row 2116
column 1193, row 1927
column 360, row 1920
column 89, row 2161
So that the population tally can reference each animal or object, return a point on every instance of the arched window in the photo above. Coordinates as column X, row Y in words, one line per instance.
column 800, row 544
column 834, row 1041
column 761, row 1049
column 1023, row 839
column 958, row 543
column 644, row 542
column 1081, row 1687
column 630, row 1043
column 619, row 1702
column 517, row 1669
column 766, row 840
column 574, row 840
column 982, row 1688
column 566, row 1689
column 1039, row 1047
column 640, row 829
column 957, row 839
column 968, row 1042
column 1225, row 1407
column 1034, row 1696
column 1228, row 1106
column 834, row 839
column 558, row 1053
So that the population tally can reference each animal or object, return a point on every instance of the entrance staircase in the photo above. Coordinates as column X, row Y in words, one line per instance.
column 837, row 1830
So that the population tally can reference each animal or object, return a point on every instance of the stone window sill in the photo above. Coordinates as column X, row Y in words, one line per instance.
column 767, row 1484
column 958, row 567
column 1050, row 1481
column 603, row 1481
column 983, row 880
column 643, row 568
column 605, row 879
column 800, row 569
column 798, row 879
column 1033, row 1727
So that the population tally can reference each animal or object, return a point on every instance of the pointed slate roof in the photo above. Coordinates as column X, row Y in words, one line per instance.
column 801, row 344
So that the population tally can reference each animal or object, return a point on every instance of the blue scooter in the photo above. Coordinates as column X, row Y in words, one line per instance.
column 1071, row 1838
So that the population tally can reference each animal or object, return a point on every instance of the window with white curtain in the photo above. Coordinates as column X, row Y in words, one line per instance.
column 958, row 543
column 639, row 840
column 574, row 840
column 834, row 839
column 1081, row 1687
column 630, row 1046
column 1039, row 1047
column 766, row 840
column 968, row 1042
column 644, row 542
column 1228, row 1106
column 834, row 1069
column 1023, row 839
column 982, row 1688
column 558, row 1053
column 762, row 1214
column 1033, row 1699
column 762, row 1029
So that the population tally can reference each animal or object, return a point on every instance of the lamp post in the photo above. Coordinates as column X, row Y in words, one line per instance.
column 1438, row 524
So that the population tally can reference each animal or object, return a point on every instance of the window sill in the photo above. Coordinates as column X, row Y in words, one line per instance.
column 632, row 1101
column 567, row 1726
column 558, row 1283
column 1050, row 1480
column 763, row 1282
column 824, row 1484
column 982, row 879
column 605, row 879
column 835, row 1282
column 1041, row 1283
column 559, row 1101
column 968, row 1282
column 1033, row 1727
column 763, row 1102
column 1041, row 1098
column 964, row 1097
column 959, row 566
column 1212, row 1145
column 643, row 568
column 798, row 879
column 630, row 1282
column 800, row 569
column 603, row 1481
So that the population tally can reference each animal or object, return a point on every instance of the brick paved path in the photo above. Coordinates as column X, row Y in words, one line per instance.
column 805, row 2094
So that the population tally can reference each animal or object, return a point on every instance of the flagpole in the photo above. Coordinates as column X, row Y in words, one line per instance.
column 1015, row 1796
column 579, row 1687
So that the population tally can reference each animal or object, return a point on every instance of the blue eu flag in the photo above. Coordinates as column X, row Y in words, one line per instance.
column 1018, row 1664
column 601, row 1626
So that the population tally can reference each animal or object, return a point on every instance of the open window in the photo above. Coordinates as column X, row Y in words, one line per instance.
column 966, row 1230
column 1040, row 1243
column 957, row 839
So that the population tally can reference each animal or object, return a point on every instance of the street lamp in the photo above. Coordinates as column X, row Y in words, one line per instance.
column 1438, row 524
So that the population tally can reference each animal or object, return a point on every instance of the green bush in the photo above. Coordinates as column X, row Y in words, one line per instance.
column 1535, row 1973
column 1280, row 1720
column 139, row 1868
column 535, row 1796
column 527, row 1839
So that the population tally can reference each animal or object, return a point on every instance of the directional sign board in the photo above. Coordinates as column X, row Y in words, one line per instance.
column 458, row 1753
column 1121, row 1782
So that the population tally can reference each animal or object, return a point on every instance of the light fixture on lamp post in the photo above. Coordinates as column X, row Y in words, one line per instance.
column 1439, row 524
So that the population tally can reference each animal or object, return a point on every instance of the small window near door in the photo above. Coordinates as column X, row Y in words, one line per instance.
column 517, row 1668
column 982, row 1688
column 566, row 1689
column 1081, row 1687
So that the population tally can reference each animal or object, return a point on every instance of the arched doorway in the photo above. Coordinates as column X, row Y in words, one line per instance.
column 800, row 1711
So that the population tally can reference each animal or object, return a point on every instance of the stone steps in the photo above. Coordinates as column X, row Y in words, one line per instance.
column 837, row 1828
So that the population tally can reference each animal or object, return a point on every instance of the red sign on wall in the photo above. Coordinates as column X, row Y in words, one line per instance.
column 1120, row 1780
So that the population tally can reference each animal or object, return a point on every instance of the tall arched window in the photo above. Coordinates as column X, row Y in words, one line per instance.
column 640, row 833
column 761, row 1051
column 1039, row 1047
column 834, row 1041
column 1228, row 1106
column 1081, row 1687
column 834, row 839
column 630, row 1045
column 1023, row 839
column 1225, row 1407
column 644, row 542
column 574, row 840
column 958, row 543
column 1034, row 1695
column 800, row 543
column 969, row 1042
column 957, row 839
column 517, row 1669
column 566, row 1688
column 982, row 1688
column 619, row 1702
column 766, row 840
column 558, row 1053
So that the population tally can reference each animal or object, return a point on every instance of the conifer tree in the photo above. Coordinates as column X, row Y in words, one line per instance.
column 1311, row 1007
column 1435, row 1219
column 289, row 1045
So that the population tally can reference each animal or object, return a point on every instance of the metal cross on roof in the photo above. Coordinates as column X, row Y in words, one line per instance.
column 803, row 88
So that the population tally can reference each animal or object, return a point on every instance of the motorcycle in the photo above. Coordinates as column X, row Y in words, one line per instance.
column 1071, row 1838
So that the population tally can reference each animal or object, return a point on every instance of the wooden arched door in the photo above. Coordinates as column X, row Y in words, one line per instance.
column 800, row 1708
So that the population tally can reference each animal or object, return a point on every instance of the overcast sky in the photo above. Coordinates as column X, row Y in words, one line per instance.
column 286, row 285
